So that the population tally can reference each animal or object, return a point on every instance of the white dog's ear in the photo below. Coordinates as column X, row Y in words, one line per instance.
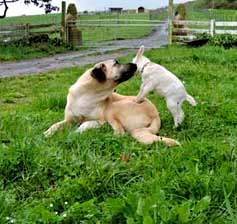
column 140, row 52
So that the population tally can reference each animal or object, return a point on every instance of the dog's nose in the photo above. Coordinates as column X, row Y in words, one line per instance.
column 133, row 66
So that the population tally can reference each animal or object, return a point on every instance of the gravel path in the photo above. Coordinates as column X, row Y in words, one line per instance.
column 55, row 62
column 156, row 39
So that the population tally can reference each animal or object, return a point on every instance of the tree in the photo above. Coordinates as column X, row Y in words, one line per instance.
column 39, row 3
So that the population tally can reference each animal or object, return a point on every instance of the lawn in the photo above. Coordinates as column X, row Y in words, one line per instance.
column 96, row 177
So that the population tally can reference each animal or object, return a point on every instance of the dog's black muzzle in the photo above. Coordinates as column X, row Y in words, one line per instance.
column 127, row 73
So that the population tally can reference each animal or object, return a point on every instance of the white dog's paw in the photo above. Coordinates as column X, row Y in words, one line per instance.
column 178, row 120
column 139, row 100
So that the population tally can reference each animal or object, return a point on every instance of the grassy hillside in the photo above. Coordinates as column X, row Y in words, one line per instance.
column 221, row 4
column 194, row 12
column 34, row 19
column 96, row 177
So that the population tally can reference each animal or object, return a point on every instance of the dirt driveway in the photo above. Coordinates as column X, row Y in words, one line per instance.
column 156, row 39
column 41, row 65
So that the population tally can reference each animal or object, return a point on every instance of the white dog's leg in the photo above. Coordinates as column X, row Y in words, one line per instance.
column 176, row 111
column 180, row 115
column 88, row 125
column 144, row 90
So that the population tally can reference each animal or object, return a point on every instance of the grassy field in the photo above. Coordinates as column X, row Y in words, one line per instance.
column 34, row 19
column 195, row 13
column 91, row 35
column 96, row 177
column 94, row 33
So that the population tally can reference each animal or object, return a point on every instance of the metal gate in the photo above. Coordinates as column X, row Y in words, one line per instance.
column 123, row 33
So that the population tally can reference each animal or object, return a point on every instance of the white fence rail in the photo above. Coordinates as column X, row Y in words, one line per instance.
column 9, row 33
column 187, row 30
column 226, row 25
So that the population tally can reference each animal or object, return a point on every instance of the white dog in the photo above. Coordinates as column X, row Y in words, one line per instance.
column 156, row 77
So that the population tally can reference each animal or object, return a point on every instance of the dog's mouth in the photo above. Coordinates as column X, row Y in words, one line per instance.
column 127, row 73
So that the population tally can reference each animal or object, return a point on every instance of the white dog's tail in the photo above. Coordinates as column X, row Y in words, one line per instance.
column 191, row 100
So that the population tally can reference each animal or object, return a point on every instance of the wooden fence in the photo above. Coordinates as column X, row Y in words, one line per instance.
column 188, row 30
column 13, row 32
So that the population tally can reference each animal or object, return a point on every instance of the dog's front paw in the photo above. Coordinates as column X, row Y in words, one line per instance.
column 47, row 133
column 117, row 133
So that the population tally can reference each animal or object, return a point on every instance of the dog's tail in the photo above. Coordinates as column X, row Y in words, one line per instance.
column 191, row 100
column 147, row 135
column 54, row 128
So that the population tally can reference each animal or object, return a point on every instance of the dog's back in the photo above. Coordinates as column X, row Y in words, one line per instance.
column 162, row 80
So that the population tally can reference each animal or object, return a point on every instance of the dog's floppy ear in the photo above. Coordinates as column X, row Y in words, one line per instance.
column 99, row 73
column 140, row 52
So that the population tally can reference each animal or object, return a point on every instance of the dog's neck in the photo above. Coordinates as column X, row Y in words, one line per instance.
column 144, row 66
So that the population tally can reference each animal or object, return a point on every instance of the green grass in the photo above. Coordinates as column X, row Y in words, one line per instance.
column 34, row 19
column 196, row 13
column 83, row 178
column 16, row 53
column 225, row 15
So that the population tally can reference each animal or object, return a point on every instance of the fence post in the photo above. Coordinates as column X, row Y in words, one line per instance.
column 63, row 23
column 170, row 17
column 27, row 31
column 212, row 27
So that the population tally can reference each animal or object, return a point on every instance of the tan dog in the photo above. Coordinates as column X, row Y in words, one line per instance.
column 91, row 100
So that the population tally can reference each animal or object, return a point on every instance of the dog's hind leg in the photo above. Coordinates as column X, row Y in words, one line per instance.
column 175, row 109
column 116, row 125
column 147, row 135
column 144, row 136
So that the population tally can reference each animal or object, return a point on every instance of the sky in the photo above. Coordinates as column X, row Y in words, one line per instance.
column 19, row 8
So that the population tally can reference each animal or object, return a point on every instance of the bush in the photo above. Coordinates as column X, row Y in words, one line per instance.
column 38, row 40
column 224, row 40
